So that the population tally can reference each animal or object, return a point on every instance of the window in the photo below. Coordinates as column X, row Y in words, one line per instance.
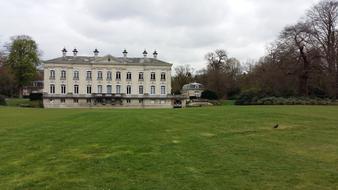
column 140, row 76
column 152, row 76
column 89, row 100
column 163, row 90
column 128, row 101
column 152, row 90
column 52, row 89
column 109, row 90
column 52, row 74
column 118, row 89
column 99, row 75
column 89, row 89
column 118, row 75
column 76, row 89
column 63, row 74
column 140, row 101
column 89, row 75
column 162, row 76
column 63, row 89
column 99, row 89
column 128, row 89
column 109, row 75
column 63, row 100
column 51, row 100
column 76, row 75
column 76, row 100
column 129, row 76
column 140, row 89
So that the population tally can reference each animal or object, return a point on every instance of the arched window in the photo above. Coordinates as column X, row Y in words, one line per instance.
column 129, row 76
column 52, row 89
column 109, row 75
column 140, row 89
column 152, row 90
column 63, row 75
column 63, row 89
column 99, row 75
column 162, row 76
column 52, row 74
column 128, row 89
column 152, row 76
column 162, row 90
column 76, row 75
column 76, row 89
column 118, row 75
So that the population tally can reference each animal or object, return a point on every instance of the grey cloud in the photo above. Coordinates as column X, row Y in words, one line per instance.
column 182, row 31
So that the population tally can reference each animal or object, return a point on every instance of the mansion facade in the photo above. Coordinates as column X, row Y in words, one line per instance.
column 94, row 81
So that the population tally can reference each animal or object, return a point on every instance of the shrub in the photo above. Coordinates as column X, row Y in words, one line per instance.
column 35, row 96
column 2, row 100
column 254, row 99
column 209, row 95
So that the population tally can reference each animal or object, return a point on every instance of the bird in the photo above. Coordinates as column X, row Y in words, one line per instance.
column 276, row 126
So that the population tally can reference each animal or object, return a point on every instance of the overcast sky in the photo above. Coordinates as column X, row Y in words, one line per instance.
column 182, row 31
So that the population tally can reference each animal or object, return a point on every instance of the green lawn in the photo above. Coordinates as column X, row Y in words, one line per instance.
column 225, row 147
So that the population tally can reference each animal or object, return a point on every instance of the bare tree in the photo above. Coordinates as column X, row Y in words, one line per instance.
column 323, row 18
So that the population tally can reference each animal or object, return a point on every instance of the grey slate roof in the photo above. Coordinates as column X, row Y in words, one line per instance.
column 106, row 60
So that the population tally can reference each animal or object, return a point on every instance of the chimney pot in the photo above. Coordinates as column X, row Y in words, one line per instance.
column 75, row 52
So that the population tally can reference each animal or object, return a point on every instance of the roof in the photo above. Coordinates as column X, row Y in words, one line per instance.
column 106, row 60
column 193, row 86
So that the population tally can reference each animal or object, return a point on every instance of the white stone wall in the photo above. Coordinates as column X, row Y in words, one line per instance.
column 82, row 82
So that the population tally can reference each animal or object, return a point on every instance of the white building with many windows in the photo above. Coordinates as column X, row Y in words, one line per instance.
column 94, row 81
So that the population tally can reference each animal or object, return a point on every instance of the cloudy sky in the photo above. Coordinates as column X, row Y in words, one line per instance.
column 182, row 31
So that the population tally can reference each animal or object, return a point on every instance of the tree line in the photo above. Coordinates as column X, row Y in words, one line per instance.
column 301, row 62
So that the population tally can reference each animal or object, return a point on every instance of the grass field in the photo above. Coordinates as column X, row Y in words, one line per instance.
column 225, row 147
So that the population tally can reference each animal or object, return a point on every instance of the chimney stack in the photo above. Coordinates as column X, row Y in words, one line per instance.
column 64, row 52
column 145, row 53
column 125, row 53
column 96, row 52
column 75, row 52
column 155, row 54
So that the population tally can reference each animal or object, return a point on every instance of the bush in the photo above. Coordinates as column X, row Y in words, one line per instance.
column 209, row 95
column 256, row 99
column 250, row 97
column 35, row 96
column 2, row 100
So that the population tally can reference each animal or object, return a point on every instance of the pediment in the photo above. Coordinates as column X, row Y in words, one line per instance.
column 108, row 59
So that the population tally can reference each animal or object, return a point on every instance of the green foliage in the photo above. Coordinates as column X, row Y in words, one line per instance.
column 256, row 98
column 20, row 102
column 8, row 84
column 227, row 147
column 2, row 100
column 23, row 59
column 209, row 95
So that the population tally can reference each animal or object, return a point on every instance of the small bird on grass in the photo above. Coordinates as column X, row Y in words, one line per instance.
column 276, row 126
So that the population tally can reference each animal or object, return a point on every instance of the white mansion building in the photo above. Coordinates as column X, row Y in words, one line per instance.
column 93, row 81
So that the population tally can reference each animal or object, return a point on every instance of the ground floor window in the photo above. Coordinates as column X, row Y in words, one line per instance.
column 63, row 100
column 89, row 100
column 128, row 101
column 51, row 100
column 76, row 100
column 140, row 101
